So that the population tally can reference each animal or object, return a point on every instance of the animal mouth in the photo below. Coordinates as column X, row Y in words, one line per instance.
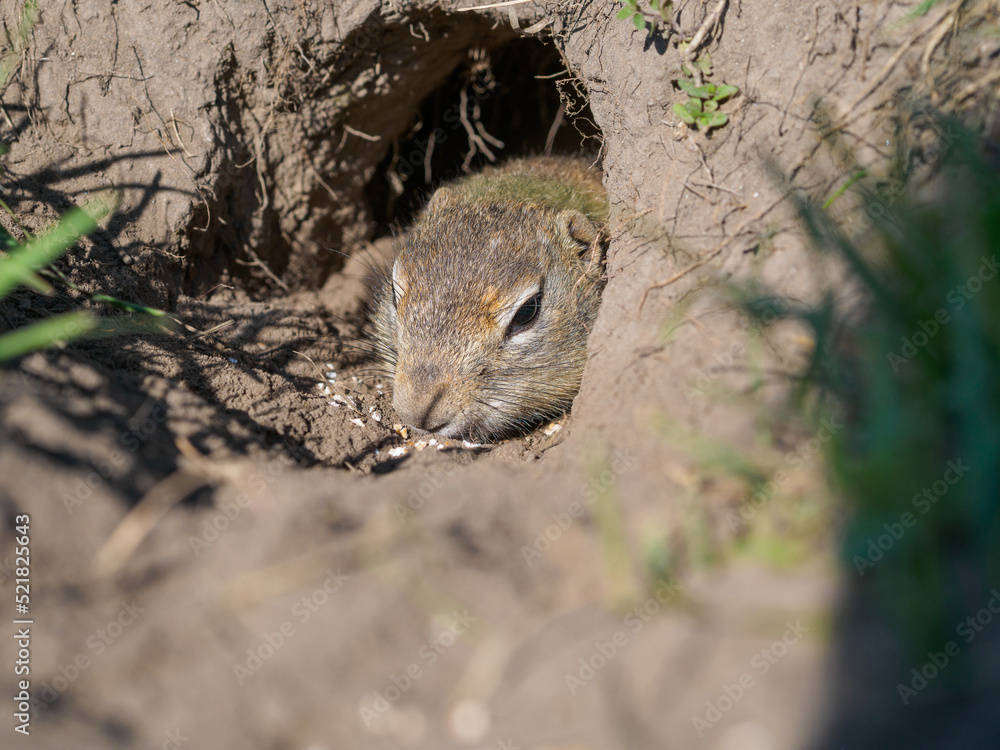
column 446, row 429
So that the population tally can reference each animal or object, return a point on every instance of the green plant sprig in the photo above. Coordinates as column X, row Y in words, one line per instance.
column 630, row 11
column 702, row 106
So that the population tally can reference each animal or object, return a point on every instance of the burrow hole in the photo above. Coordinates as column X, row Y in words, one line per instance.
column 518, row 100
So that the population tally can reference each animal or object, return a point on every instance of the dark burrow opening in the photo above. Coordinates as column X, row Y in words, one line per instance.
column 506, row 97
column 516, row 99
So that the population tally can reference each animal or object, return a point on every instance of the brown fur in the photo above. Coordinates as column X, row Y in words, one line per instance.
column 445, row 315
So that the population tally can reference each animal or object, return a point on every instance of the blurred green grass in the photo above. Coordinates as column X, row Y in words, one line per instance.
column 912, row 368
column 26, row 263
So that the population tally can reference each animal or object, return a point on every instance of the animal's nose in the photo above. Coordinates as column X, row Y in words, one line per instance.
column 423, row 399
column 433, row 413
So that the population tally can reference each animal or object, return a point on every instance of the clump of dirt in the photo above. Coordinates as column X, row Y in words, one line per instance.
column 226, row 555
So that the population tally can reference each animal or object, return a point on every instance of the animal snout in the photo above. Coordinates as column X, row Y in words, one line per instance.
column 424, row 399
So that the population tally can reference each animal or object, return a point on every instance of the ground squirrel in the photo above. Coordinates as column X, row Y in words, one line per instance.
column 483, row 317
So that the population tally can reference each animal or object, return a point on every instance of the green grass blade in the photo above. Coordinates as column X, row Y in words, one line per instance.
column 129, row 306
column 611, row 533
column 60, row 328
column 132, row 325
column 20, row 266
column 921, row 10
column 859, row 175
column 7, row 241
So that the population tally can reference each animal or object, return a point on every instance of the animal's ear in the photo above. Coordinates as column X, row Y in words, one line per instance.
column 441, row 198
column 576, row 230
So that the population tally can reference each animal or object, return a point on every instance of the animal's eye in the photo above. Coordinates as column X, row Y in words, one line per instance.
column 525, row 315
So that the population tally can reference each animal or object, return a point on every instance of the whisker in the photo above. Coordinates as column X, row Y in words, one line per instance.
column 526, row 395
column 357, row 257
column 362, row 346
column 372, row 374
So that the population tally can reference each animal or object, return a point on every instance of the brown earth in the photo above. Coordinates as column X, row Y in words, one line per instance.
column 221, row 558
